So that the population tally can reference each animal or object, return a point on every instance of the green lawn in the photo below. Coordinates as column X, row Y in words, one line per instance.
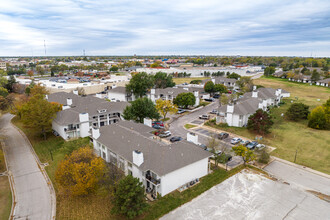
column 5, row 192
column 188, row 126
column 288, row 136
column 305, row 93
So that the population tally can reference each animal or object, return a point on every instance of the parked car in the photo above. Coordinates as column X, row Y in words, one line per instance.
column 205, row 117
column 180, row 111
column 235, row 140
column 156, row 126
column 217, row 152
column 223, row 135
column 260, row 146
column 214, row 111
column 165, row 134
column 203, row 146
column 160, row 123
column 209, row 100
column 243, row 142
column 252, row 145
column 225, row 158
column 175, row 138
column 216, row 96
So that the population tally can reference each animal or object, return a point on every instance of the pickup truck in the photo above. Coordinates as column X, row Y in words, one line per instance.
column 206, row 117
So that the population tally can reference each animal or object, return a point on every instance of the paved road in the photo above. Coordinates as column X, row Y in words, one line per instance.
column 296, row 175
column 33, row 195
column 176, row 127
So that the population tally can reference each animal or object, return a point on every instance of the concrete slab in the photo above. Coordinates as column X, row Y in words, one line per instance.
column 252, row 196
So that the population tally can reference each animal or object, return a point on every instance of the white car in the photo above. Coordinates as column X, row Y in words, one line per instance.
column 260, row 146
column 235, row 140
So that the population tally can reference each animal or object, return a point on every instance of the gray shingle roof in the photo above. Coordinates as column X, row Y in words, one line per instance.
column 119, row 89
column 248, row 106
column 170, row 91
column 87, row 104
column 159, row 157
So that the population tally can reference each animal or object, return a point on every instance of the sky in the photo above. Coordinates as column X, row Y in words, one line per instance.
column 172, row 27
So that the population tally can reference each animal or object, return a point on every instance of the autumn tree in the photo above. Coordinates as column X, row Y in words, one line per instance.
column 318, row 119
column 30, row 73
column 129, row 198
column 140, row 109
column 38, row 114
column 162, row 80
column 40, row 70
column 245, row 83
column 165, row 106
column 224, row 100
column 260, row 122
column 79, row 173
column 139, row 84
column 185, row 99
column 156, row 64
column 212, row 145
column 246, row 154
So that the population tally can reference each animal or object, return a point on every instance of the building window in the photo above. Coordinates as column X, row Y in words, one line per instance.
column 104, row 156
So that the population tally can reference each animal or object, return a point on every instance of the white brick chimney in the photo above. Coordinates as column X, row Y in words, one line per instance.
column 213, row 80
column 147, row 121
column 230, row 108
column 68, row 101
column 254, row 94
column 95, row 133
column 75, row 92
column 138, row 158
column 192, row 137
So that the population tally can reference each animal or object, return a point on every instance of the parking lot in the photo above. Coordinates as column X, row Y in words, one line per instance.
column 247, row 195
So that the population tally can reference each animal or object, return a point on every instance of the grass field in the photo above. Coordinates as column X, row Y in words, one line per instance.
column 312, row 146
column 306, row 93
column 188, row 126
column 188, row 79
column 5, row 192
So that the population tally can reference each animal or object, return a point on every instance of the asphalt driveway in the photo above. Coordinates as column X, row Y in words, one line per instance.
column 34, row 198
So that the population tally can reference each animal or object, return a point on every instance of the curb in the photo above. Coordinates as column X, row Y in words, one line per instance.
column 11, row 184
column 43, row 171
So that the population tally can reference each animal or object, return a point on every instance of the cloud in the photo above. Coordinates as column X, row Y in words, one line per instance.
column 144, row 27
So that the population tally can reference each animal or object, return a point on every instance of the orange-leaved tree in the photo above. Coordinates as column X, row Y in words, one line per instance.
column 80, row 172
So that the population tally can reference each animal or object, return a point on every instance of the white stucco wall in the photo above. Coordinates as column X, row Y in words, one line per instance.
column 117, row 96
column 60, row 130
column 177, row 178
column 137, row 173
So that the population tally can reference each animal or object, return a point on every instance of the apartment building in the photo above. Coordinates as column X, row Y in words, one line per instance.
column 161, row 167
column 3, row 66
column 237, row 115
column 79, row 114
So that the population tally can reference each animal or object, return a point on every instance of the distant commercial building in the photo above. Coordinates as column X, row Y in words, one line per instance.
column 3, row 66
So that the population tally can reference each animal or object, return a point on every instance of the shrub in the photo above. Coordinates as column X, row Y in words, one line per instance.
column 264, row 157
column 129, row 198
column 317, row 119
column 297, row 111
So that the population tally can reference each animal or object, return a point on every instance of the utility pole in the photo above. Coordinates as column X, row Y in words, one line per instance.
column 45, row 47
column 295, row 156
